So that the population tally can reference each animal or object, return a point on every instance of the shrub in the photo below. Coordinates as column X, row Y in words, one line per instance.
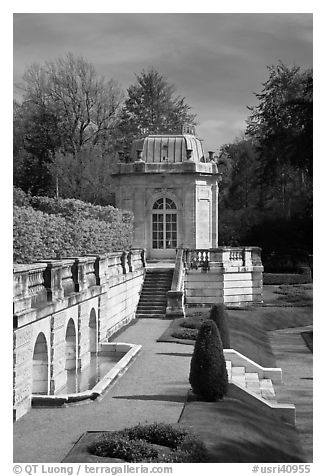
column 39, row 235
column 77, row 209
column 188, row 334
column 219, row 315
column 135, row 444
column 208, row 375
column 193, row 322
column 20, row 198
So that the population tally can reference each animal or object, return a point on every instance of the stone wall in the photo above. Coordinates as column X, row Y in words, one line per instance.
column 62, row 310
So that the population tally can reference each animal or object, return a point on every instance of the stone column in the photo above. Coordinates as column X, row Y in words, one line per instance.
column 214, row 216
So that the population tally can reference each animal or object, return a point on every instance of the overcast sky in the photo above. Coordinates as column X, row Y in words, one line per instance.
column 215, row 60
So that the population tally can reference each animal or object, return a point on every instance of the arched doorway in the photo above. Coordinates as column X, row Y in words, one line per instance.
column 164, row 228
column 70, row 351
column 40, row 365
column 92, row 328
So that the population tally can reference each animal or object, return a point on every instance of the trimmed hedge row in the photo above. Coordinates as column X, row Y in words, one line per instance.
column 72, row 208
column 69, row 229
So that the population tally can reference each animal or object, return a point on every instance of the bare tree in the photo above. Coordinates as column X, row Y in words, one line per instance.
column 84, row 104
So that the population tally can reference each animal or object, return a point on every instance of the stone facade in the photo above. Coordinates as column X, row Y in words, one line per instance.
column 172, row 190
column 62, row 310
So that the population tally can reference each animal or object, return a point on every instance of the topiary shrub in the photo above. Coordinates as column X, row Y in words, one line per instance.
column 208, row 376
column 153, row 443
column 219, row 315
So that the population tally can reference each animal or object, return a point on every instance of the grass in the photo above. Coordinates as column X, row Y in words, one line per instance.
column 249, row 326
column 300, row 294
column 235, row 432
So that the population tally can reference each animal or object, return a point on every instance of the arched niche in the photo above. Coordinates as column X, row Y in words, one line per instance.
column 70, row 349
column 40, row 365
column 92, row 329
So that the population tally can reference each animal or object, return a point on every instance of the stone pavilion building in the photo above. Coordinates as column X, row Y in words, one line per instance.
column 172, row 189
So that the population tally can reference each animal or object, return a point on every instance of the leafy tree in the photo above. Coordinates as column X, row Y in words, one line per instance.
column 66, row 108
column 82, row 105
column 208, row 376
column 85, row 176
column 281, row 123
column 152, row 106
column 267, row 175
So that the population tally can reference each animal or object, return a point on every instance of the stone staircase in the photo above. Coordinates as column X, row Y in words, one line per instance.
column 152, row 302
column 252, row 383
column 262, row 387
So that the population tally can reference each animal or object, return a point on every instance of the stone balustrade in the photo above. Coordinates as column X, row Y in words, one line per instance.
column 175, row 297
column 223, row 256
column 234, row 275
column 44, row 282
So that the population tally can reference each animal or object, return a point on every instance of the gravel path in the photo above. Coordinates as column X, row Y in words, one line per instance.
column 153, row 389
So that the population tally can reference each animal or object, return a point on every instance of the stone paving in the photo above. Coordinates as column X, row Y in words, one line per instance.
column 154, row 388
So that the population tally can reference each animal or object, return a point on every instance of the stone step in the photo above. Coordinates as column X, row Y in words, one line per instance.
column 251, row 381
column 157, row 281
column 151, row 307
column 267, row 389
column 238, row 371
column 156, row 288
column 153, row 299
column 152, row 302
column 150, row 315
column 252, row 378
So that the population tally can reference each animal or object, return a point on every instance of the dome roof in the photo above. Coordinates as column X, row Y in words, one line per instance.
column 168, row 149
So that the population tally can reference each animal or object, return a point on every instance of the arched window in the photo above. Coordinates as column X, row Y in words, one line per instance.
column 164, row 224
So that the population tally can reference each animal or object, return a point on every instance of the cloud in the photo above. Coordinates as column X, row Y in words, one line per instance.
column 215, row 60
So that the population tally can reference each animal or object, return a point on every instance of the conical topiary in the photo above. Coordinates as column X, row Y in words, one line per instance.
column 219, row 315
column 208, row 376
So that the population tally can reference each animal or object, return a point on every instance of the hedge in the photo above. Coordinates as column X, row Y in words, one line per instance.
column 39, row 235
column 77, row 209
column 151, row 443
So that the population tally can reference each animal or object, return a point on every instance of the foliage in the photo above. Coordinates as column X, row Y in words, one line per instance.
column 20, row 198
column 62, row 228
column 208, row 375
column 187, row 334
column 76, row 105
column 219, row 315
column 151, row 106
column 85, row 175
column 77, row 209
column 193, row 322
column 281, row 123
column 136, row 445
column 266, row 190
column 67, row 109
